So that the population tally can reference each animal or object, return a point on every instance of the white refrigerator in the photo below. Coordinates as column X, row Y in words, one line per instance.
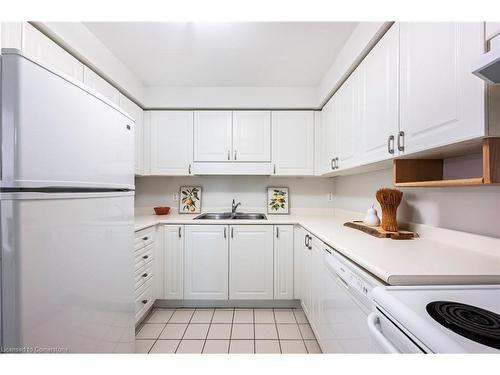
column 67, row 214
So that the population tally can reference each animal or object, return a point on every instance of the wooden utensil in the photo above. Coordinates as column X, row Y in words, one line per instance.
column 389, row 200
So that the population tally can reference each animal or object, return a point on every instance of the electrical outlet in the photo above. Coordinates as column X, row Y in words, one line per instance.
column 329, row 197
column 175, row 197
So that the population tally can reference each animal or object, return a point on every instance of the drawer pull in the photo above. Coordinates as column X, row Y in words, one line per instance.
column 145, row 257
column 144, row 301
column 145, row 238
column 144, row 275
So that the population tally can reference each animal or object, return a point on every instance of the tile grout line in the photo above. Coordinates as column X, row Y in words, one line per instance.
column 184, row 333
column 277, row 332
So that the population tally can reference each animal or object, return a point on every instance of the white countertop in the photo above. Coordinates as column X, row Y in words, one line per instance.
column 421, row 261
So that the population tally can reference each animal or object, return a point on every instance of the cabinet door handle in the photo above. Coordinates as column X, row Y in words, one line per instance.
column 274, row 168
column 331, row 163
column 145, row 238
column 337, row 162
column 305, row 241
column 145, row 257
column 235, row 152
column 277, row 232
column 144, row 301
column 189, row 169
column 232, row 232
column 180, row 234
column 228, row 154
column 401, row 141
column 144, row 275
column 225, row 236
column 390, row 144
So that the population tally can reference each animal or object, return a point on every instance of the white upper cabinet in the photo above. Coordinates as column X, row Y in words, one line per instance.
column 206, row 262
column 212, row 135
column 293, row 143
column 94, row 81
column 379, row 99
column 348, row 115
column 136, row 112
column 173, row 261
column 251, row 262
column 171, row 143
column 41, row 48
column 492, row 29
column 283, row 262
column 441, row 101
column 328, row 137
column 251, row 136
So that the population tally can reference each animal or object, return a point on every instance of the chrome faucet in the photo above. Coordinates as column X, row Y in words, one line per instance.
column 234, row 206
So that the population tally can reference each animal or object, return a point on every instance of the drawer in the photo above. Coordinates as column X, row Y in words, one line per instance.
column 143, row 274
column 143, row 256
column 144, row 238
column 144, row 300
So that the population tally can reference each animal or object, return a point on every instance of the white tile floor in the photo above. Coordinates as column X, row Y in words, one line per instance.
column 226, row 331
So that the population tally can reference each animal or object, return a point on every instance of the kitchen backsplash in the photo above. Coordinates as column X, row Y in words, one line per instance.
column 251, row 191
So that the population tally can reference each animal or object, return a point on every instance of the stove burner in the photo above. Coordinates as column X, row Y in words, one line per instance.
column 476, row 324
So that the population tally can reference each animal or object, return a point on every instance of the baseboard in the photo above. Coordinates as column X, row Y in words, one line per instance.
column 269, row 304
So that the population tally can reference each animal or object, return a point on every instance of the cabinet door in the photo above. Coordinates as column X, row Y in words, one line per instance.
column 283, row 262
column 306, row 297
column 379, row 99
column 251, row 262
column 329, row 137
column 212, row 135
column 136, row 113
column 316, row 285
column 442, row 102
column 348, row 117
column 251, row 136
column 171, row 143
column 206, row 262
column 293, row 143
column 173, row 261
column 94, row 81
column 41, row 48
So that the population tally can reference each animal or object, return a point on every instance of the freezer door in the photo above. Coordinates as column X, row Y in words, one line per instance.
column 67, row 272
column 57, row 132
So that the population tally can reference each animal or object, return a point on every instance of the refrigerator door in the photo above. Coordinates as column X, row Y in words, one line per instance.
column 67, row 272
column 57, row 132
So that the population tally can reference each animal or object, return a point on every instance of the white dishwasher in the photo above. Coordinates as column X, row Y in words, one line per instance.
column 345, row 306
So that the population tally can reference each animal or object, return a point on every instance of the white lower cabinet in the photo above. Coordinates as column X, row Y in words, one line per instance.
column 206, row 262
column 283, row 262
column 251, row 262
column 144, row 271
column 173, row 261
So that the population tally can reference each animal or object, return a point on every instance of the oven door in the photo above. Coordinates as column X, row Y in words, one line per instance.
column 387, row 337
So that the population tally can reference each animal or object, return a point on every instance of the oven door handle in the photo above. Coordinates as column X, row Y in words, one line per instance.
column 373, row 324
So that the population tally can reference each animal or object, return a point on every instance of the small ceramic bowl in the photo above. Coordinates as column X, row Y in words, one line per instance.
column 162, row 210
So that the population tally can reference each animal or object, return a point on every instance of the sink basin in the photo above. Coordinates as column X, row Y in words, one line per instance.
column 248, row 216
column 230, row 216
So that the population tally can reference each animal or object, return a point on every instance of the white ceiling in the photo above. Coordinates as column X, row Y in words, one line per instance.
column 225, row 54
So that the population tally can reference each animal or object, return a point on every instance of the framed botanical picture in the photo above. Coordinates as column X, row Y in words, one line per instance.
column 278, row 200
column 190, row 200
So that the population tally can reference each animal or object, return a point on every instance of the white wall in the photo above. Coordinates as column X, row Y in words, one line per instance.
column 218, row 191
column 231, row 97
column 469, row 209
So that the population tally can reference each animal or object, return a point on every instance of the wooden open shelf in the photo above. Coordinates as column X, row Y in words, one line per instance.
column 478, row 169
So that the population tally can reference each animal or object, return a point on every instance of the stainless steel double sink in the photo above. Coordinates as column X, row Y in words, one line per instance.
column 230, row 216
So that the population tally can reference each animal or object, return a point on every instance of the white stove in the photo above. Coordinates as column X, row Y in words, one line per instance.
column 436, row 319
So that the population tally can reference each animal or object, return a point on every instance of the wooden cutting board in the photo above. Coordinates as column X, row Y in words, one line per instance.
column 379, row 232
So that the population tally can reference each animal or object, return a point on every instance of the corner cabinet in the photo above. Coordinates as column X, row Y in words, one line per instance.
column 206, row 262
column 293, row 143
column 173, row 262
column 283, row 262
column 170, row 139
column 442, row 102
column 251, row 262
